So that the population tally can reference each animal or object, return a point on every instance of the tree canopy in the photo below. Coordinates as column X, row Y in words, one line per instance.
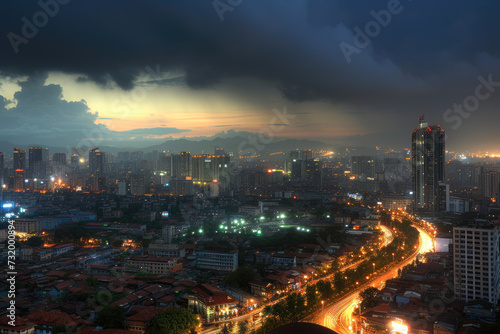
column 173, row 321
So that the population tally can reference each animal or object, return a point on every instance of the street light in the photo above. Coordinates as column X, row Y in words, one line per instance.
column 322, row 305
column 373, row 264
column 392, row 257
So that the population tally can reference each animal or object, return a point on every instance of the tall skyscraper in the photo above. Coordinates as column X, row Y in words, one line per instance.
column 59, row 158
column 1, row 168
column 476, row 261
column 207, row 167
column 363, row 165
column 35, row 163
column 96, row 162
column 182, row 165
column 219, row 151
column 428, row 163
column 19, row 168
column 75, row 161
column 59, row 166
column 19, row 159
column 490, row 185
column 296, row 163
column 137, row 185
column 167, row 233
column 96, row 167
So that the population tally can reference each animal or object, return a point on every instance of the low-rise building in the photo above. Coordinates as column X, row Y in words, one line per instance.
column 211, row 302
column 217, row 260
column 170, row 250
column 60, row 249
column 263, row 288
column 21, row 325
column 30, row 226
column 286, row 260
column 155, row 264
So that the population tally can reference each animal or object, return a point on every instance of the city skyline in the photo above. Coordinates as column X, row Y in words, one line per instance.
column 249, row 167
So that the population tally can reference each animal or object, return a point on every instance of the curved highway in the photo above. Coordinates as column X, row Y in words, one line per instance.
column 339, row 316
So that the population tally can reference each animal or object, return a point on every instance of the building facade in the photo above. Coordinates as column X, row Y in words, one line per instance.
column 476, row 261
column 155, row 264
column 428, row 166
column 212, row 260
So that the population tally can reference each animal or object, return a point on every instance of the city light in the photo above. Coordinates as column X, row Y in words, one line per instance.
column 399, row 327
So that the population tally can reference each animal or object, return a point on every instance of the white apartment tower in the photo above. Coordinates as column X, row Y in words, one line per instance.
column 476, row 263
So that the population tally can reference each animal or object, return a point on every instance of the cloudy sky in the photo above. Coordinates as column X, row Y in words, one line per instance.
column 349, row 72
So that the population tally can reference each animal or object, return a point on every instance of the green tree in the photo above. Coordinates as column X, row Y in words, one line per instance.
column 311, row 296
column 241, row 277
column 224, row 330
column 325, row 289
column 368, row 297
column 91, row 281
column 339, row 281
column 172, row 321
column 243, row 327
column 268, row 310
column 111, row 317
column 294, row 307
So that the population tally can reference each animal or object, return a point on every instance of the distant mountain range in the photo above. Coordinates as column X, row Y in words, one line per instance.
column 248, row 143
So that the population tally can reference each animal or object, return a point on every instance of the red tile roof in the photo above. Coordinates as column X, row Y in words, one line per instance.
column 145, row 315
column 54, row 318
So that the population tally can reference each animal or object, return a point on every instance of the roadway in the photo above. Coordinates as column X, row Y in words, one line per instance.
column 213, row 328
column 339, row 316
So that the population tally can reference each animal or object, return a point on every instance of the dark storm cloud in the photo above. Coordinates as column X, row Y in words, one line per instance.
column 42, row 115
column 425, row 59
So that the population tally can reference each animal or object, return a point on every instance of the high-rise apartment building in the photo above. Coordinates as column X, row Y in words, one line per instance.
column 363, row 166
column 96, row 168
column 167, row 233
column 1, row 168
column 428, row 164
column 19, row 168
column 476, row 261
column 219, row 151
column 19, row 159
column 35, row 163
column 59, row 159
column 96, row 162
column 207, row 167
column 300, row 164
column 137, row 185
column 75, row 161
column 490, row 185
column 182, row 165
